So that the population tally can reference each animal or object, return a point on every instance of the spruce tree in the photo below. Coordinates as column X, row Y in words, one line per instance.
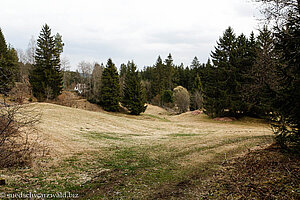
column 233, row 64
column 168, row 73
column 8, row 66
column 222, row 90
column 286, row 105
column 133, row 95
column 214, row 93
column 158, row 79
column 263, row 75
column 3, row 45
column 46, row 76
column 242, row 64
column 195, row 63
column 110, row 88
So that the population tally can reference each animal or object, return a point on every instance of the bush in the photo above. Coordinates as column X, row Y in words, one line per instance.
column 196, row 101
column 181, row 99
column 16, row 123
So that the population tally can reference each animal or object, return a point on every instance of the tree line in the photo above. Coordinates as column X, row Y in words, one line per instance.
column 256, row 76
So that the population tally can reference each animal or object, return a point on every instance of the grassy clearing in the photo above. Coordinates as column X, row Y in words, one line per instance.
column 103, row 156
column 156, row 117
column 101, row 136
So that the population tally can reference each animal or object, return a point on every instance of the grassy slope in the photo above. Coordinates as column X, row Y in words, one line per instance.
column 112, row 156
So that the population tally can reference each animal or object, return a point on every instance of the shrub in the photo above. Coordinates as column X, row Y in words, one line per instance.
column 16, row 123
column 181, row 99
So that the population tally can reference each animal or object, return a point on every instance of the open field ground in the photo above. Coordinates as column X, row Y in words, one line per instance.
column 102, row 155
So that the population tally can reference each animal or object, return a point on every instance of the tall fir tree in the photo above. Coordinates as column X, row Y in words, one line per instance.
column 110, row 88
column 46, row 76
column 286, row 104
column 168, row 73
column 133, row 98
column 242, row 64
column 214, row 100
column 224, row 74
column 8, row 66
column 3, row 45
column 158, row 79
column 195, row 63
column 263, row 75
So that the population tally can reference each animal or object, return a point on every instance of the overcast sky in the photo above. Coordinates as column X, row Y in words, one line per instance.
column 139, row 30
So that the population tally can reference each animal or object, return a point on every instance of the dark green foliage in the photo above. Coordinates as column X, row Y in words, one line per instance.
column 262, row 78
column 110, row 88
column 195, row 63
column 158, row 81
column 8, row 66
column 197, row 94
column 168, row 73
column 213, row 94
column 133, row 94
column 123, row 70
column 3, row 45
column 222, row 91
column 46, row 76
column 163, row 75
column 286, row 105
column 167, row 96
column 227, row 87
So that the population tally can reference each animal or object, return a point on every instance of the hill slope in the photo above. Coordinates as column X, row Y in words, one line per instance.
column 122, row 156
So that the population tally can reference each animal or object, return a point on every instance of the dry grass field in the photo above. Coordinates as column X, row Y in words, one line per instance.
column 102, row 155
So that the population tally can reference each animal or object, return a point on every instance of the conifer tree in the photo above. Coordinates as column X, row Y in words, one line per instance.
column 3, row 45
column 195, row 63
column 286, row 104
column 133, row 95
column 158, row 79
column 224, row 73
column 197, row 94
column 46, row 76
column 110, row 88
column 8, row 66
column 263, row 75
column 214, row 100
column 196, row 68
column 197, row 85
column 168, row 73
column 242, row 66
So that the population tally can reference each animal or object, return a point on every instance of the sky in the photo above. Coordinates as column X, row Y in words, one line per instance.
column 138, row 30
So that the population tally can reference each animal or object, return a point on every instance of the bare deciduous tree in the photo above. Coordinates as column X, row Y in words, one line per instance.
column 30, row 51
column 279, row 10
column 65, row 66
column 22, row 56
column 85, row 70
column 96, row 80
